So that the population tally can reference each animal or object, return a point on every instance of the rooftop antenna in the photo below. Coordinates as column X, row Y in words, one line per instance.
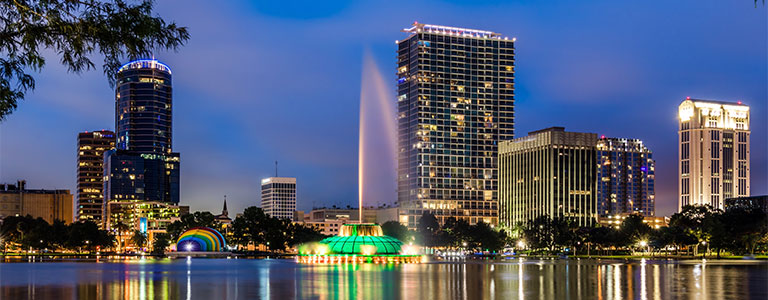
column 275, row 168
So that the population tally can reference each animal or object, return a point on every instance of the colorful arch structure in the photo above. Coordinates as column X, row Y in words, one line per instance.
column 201, row 239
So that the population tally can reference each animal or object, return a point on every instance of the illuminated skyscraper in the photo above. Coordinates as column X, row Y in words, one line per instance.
column 141, row 184
column 455, row 102
column 550, row 172
column 626, row 175
column 278, row 197
column 91, row 147
column 714, row 152
column 143, row 100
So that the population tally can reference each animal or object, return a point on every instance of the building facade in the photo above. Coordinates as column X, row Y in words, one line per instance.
column 455, row 99
column 17, row 200
column 143, row 107
column 625, row 178
column 278, row 197
column 713, row 153
column 91, row 147
column 141, row 176
column 758, row 202
column 550, row 172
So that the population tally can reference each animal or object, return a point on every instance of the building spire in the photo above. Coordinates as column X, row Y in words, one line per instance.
column 225, row 212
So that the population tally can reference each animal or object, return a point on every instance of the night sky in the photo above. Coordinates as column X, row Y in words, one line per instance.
column 263, row 82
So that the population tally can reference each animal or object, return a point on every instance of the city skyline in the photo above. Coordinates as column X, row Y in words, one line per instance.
column 198, row 124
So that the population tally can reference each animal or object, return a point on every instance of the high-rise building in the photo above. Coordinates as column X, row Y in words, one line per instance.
column 91, row 147
column 143, row 106
column 141, row 177
column 625, row 178
column 135, row 176
column 17, row 200
column 278, row 197
column 549, row 172
column 455, row 99
column 714, row 152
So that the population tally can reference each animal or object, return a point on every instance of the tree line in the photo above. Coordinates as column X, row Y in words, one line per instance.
column 252, row 227
column 738, row 230
column 26, row 232
column 454, row 233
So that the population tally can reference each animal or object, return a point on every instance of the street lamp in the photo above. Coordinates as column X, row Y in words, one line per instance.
column 521, row 244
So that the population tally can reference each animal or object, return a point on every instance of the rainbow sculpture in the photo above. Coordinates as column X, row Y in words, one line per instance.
column 201, row 239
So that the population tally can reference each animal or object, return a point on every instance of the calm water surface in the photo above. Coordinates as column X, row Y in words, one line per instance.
column 286, row 279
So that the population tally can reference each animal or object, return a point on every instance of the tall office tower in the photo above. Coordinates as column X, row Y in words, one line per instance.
column 455, row 103
column 143, row 107
column 714, row 152
column 141, row 177
column 278, row 196
column 90, row 173
column 625, row 178
column 549, row 172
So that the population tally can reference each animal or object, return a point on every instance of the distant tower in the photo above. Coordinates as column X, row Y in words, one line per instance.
column 714, row 152
column 143, row 107
column 224, row 212
column 278, row 196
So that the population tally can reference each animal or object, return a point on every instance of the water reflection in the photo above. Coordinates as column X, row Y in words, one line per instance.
column 285, row 279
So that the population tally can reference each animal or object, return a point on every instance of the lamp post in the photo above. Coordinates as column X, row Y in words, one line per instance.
column 643, row 244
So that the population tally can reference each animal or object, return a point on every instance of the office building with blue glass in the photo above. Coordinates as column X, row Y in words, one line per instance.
column 141, row 176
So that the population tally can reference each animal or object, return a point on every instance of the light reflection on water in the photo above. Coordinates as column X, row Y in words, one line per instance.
column 285, row 279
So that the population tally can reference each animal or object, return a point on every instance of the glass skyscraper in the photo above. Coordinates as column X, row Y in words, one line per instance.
column 455, row 99
column 626, row 175
column 143, row 106
column 141, row 176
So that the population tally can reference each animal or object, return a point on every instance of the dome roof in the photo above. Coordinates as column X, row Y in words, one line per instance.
column 201, row 239
column 362, row 239
column 357, row 244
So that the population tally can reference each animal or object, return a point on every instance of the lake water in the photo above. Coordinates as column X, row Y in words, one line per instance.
column 472, row 279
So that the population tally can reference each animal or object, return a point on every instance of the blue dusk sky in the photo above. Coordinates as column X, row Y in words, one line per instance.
column 261, row 81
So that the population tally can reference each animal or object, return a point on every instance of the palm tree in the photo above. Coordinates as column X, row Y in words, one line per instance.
column 139, row 239
column 121, row 228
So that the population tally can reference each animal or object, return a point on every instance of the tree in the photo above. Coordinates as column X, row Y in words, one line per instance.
column 549, row 233
column 186, row 222
column 457, row 232
column 301, row 234
column 75, row 30
column 428, row 230
column 744, row 227
column 634, row 229
column 161, row 242
column 250, row 227
column 396, row 230
column 139, row 239
column 698, row 220
column 487, row 238
column 121, row 228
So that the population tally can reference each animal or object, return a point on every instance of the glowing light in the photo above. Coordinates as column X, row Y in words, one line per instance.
column 521, row 244
column 144, row 64
column 189, row 247
column 643, row 243
column 367, row 249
